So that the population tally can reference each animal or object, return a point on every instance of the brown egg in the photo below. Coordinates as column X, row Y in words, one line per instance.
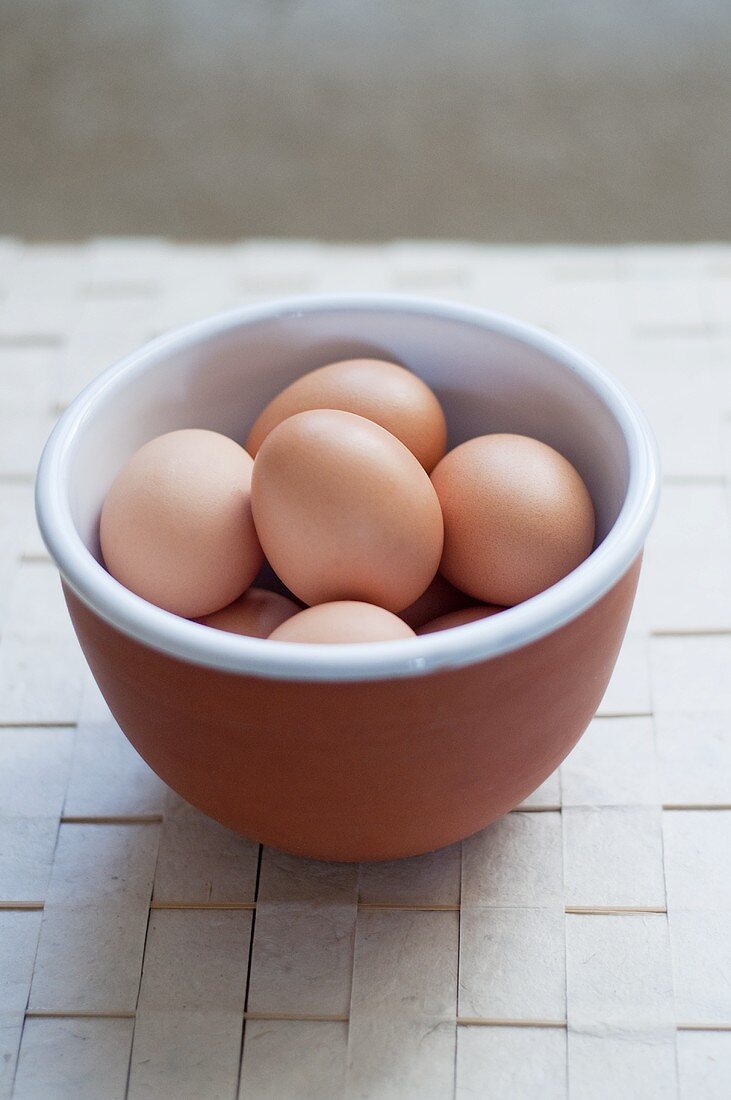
column 459, row 618
column 176, row 525
column 255, row 614
column 383, row 392
column 517, row 517
column 440, row 598
column 341, row 622
column 345, row 512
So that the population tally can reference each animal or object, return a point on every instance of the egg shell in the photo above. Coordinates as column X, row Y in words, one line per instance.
column 343, row 621
column 517, row 517
column 255, row 614
column 440, row 598
column 176, row 525
column 380, row 391
column 459, row 618
column 345, row 512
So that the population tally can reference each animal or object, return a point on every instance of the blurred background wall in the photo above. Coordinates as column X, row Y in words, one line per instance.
column 506, row 120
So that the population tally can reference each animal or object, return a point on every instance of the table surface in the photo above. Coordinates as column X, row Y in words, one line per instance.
column 581, row 946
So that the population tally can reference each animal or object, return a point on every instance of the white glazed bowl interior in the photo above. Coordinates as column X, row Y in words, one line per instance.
column 490, row 373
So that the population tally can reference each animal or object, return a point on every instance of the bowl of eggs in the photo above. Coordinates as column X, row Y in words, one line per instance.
column 351, row 573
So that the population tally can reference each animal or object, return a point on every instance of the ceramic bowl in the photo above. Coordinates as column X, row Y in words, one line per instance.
column 371, row 751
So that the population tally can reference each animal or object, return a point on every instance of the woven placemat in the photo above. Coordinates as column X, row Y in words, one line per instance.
column 580, row 947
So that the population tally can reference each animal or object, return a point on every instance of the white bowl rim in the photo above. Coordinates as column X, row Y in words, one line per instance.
column 466, row 645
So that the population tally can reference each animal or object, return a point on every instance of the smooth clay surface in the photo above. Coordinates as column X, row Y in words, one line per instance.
column 370, row 770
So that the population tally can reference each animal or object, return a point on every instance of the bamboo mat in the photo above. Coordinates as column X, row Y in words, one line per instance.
column 580, row 947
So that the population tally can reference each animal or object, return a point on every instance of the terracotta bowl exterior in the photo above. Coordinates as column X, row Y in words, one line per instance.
column 361, row 771
column 377, row 751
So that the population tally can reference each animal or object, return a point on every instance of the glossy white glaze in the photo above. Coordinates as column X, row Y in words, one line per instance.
column 491, row 374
